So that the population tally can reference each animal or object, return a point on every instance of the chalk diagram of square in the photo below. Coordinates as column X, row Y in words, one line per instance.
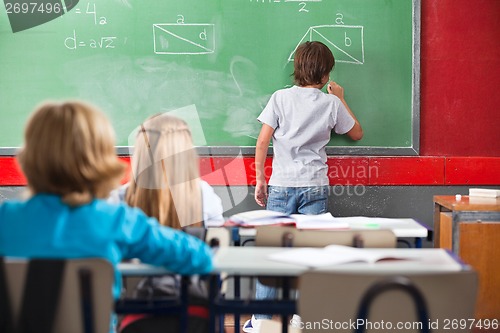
column 170, row 38
column 335, row 37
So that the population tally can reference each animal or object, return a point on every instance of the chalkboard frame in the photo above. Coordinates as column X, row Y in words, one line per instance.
column 412, row 150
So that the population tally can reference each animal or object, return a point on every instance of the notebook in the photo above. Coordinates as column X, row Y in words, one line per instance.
column 336, row 255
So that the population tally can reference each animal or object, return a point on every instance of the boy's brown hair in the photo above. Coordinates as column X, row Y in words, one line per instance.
column 312, row 61
column 69, row 151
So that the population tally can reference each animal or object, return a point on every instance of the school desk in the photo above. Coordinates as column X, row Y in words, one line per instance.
column 470, row 227
column 254, row 261
column 450, row 212
column 402, row 227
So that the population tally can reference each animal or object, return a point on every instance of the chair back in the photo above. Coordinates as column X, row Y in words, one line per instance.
column 198, row 232
column 218, row 236
column 338, row 296
column 85, row 302
column 273, row 236
column 213, row 236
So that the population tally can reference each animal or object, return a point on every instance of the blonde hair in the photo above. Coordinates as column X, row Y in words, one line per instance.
column 69, row 151
column 166, row 173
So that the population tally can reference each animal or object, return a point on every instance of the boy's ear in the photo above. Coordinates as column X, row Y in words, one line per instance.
column 325, row 79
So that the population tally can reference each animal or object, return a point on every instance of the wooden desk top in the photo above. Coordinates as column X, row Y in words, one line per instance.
column 468, row 203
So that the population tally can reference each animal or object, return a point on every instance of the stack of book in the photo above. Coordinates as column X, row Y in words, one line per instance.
column 484, row 192
column 261, row 217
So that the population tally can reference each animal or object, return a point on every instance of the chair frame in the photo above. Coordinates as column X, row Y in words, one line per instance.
column 348, row 296
column 85, row 300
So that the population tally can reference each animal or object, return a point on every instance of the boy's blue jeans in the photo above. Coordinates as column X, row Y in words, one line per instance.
column 292, row 200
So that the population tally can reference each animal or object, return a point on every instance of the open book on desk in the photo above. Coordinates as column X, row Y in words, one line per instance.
column 262, row 217
column 336, row 255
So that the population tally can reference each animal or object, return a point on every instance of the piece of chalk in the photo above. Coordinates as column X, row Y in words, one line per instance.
column 458, row 197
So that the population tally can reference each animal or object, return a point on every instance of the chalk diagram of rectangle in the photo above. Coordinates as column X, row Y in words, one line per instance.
column 170, row 38
column 346, row 41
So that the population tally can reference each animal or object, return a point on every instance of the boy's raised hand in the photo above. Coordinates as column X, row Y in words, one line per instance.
column 335, row 89
column 356, row 132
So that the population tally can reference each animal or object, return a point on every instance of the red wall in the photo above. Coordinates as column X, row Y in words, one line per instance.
column 460, row 78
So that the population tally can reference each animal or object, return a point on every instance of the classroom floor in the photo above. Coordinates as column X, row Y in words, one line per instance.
column 229, row 323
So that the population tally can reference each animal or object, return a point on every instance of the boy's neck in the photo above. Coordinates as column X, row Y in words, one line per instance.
column 317, row 86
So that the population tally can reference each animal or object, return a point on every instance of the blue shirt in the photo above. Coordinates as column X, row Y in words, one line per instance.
column 45, row 227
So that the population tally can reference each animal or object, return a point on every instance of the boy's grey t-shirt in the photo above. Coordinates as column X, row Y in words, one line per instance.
column 303, row 119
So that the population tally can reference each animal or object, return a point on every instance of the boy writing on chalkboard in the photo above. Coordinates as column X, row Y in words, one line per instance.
column 300, row 120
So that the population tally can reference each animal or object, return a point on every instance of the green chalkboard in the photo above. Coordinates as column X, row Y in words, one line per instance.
column 215, row 62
